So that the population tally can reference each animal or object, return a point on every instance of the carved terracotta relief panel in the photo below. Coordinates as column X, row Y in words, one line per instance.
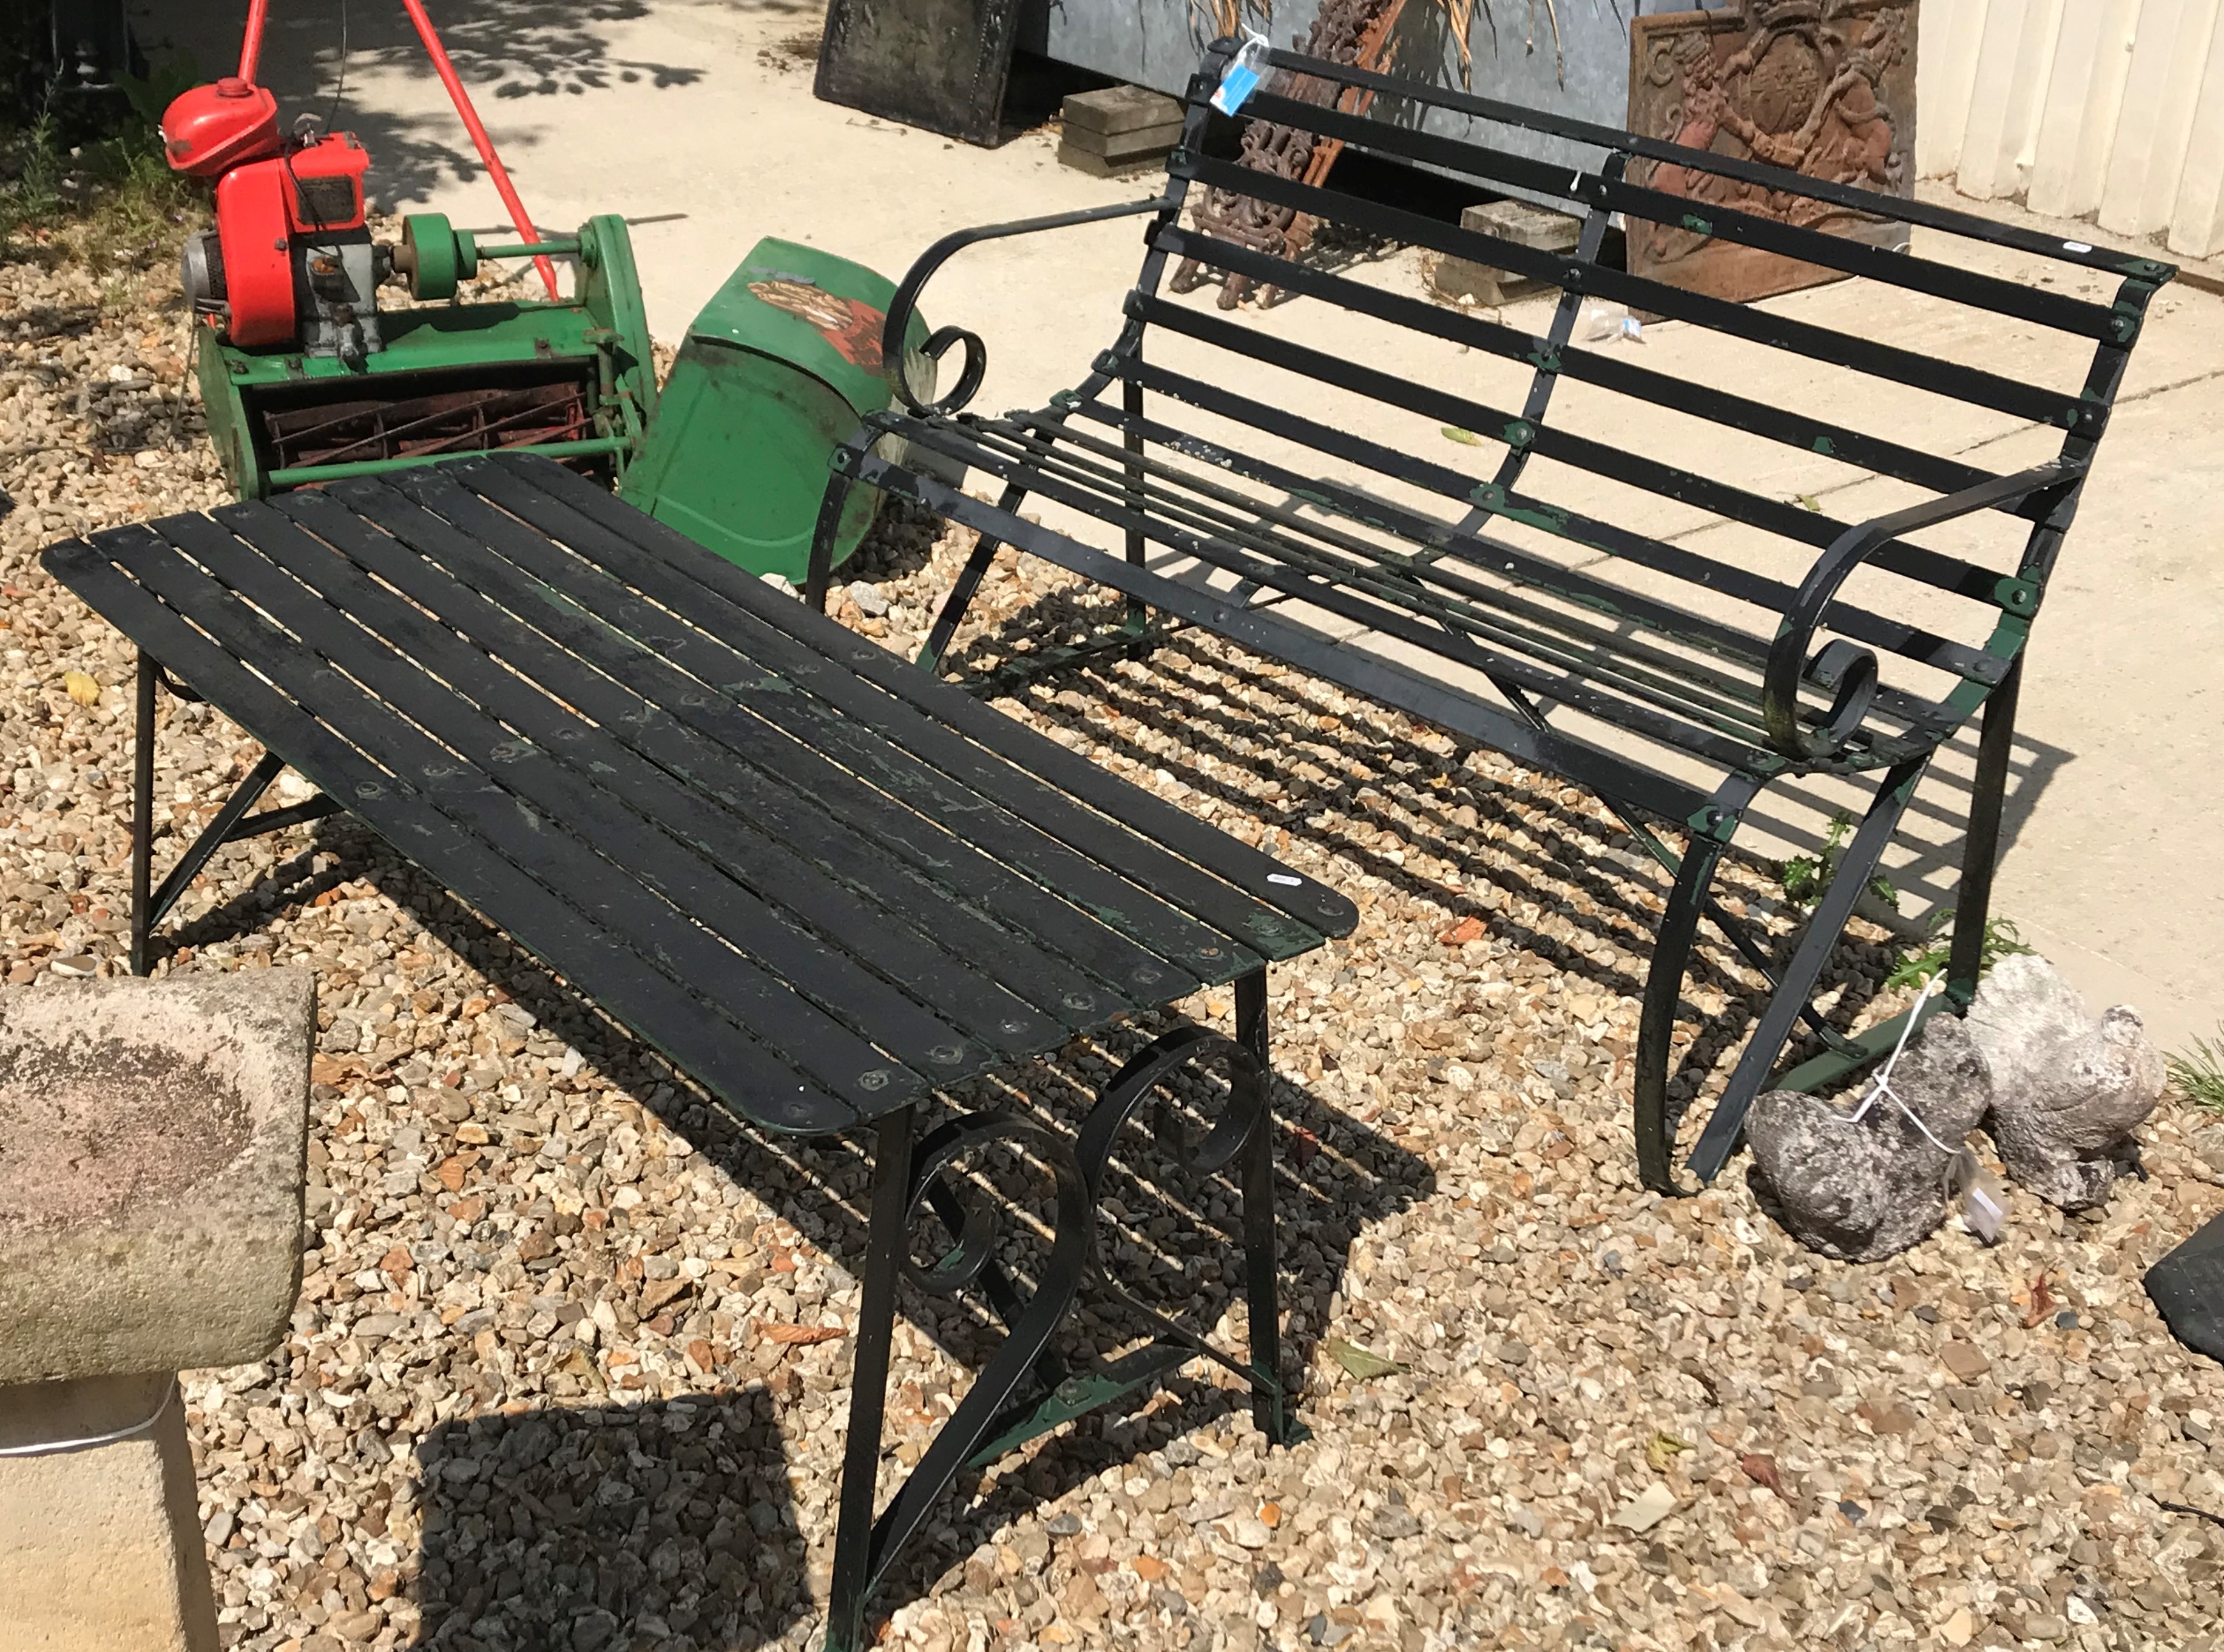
column 1823, row 87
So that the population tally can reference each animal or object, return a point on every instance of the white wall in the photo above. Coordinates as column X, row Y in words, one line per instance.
column 2112, row 110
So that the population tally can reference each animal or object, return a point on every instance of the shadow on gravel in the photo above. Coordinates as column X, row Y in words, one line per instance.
column 292, row 882
column 1167, row 1237
column 555, row 1528
column 1379, row 786
column 521, row 59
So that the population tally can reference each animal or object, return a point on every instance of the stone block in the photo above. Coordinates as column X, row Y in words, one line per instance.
column 151, row 1138
column 1114, row 166
column 99, row 1549
column 1118, row 109
column 1122, row 129
column 1516, row 221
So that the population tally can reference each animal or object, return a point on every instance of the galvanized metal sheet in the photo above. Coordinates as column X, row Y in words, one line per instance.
column 1570, row 57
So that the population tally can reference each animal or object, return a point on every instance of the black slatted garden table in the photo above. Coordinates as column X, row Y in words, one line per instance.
column 821, row 882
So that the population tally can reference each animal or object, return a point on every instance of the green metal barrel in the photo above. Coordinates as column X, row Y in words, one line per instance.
column 781, row 365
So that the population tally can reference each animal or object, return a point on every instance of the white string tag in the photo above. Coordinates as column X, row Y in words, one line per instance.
column 1880, row 1086
column 1243, row 75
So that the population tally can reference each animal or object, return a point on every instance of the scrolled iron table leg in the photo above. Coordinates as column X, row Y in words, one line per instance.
column 1242, row 1137
column 866, row 1547
column 912, row 1178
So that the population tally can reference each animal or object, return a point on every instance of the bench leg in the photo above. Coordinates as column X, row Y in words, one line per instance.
column 232, row 821
column 869, row 1387
column 1726, row 1127
column 961, row 594
column 1131, row 403
column 819, row 573
column 1270, row 1406
column 866, row 1547
column 995, row 1416
column 1664, row 989
column 142, row 814
column 1980, row 853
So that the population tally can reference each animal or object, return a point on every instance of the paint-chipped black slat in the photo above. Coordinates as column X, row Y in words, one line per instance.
column 936, row 847
column 696, row 1033
column 841, row 887
column 819, row 891
column 392, row 652
column 1305, row 899
column 1040, row 829
column 561, row 862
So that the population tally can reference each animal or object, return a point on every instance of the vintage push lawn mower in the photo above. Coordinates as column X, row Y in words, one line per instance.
column 306, row 379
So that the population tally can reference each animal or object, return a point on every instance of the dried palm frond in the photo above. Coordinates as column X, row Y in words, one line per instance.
column 1214, row 18
column 1462, row 16
column 1559, row 53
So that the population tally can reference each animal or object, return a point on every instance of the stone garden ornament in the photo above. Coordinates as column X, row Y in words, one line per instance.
column 2059, row 1094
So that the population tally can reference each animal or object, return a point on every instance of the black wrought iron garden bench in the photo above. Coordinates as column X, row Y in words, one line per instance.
column 1599, row 584
column 824, row 884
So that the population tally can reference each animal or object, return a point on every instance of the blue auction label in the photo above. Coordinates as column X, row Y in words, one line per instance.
column 1243, row 75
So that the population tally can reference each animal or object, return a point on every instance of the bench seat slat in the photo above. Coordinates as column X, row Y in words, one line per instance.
column 725, row 715
column 1683, row 687
column 698, row 1032
column 1348, row 604
column 1657, row 555
column 1508, row 562
column 1267, row 634
column 1384, row 568
column 1760, row 326
column 1401, row 577
column 1082, row 857
column 778, row 840
column 1872, row 453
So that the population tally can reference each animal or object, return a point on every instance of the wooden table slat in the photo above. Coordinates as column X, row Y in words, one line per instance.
column 819, row 881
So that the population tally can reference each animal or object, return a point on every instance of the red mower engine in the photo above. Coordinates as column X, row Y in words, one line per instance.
column 291, row 259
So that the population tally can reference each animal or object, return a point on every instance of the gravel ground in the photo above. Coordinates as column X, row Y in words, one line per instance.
column 569, row 1365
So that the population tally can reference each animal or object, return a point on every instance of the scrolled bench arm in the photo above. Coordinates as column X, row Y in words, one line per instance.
column 1844, row 667
column 900, row 310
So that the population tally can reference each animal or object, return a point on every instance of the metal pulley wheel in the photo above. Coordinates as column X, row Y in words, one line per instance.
column 433, row 255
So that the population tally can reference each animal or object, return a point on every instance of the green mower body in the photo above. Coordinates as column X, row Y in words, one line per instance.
column 572, row 380
column 781, row 366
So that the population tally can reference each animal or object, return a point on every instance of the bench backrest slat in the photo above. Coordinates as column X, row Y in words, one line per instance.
column 1853, row 411
column 1815, row 529
column 1922, row 214
column 2059, row 310
column 1803, row 338
column 1717, row 406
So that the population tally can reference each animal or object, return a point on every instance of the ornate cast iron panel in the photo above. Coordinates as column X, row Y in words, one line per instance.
column 1823, row 87
column 1346, row 31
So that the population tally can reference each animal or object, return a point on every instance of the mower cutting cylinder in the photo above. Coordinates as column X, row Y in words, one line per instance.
column 572, row 378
